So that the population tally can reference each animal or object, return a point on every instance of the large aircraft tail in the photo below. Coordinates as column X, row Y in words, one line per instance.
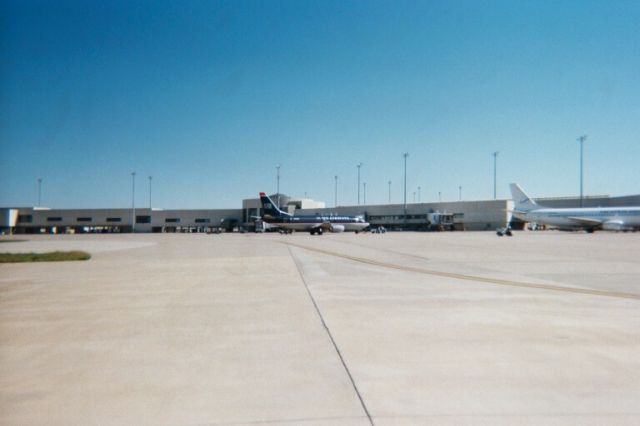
column 269, row 208
column 521, row 200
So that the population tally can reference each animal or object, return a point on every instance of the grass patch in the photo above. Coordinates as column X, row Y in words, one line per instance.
column 54, row 256
column 11, row 241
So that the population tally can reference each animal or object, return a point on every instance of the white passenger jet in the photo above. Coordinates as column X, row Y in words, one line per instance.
column 589, row 219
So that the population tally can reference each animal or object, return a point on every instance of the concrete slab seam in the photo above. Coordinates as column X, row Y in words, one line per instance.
column 333, row 342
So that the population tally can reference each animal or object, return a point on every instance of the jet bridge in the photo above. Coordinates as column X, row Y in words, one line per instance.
column 440, row 221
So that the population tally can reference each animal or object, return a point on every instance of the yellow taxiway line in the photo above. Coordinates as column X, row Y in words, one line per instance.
column 474, row 278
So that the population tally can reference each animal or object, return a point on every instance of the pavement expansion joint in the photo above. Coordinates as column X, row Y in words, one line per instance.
column 333, row 342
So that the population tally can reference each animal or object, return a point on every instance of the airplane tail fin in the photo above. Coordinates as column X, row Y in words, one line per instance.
column 269, row 208
column 521, row 200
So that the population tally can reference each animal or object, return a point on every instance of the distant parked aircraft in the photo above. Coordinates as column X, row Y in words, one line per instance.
column 589, row 219
column 314, row 224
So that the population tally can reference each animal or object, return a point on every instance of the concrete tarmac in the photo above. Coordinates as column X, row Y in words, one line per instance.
column 341, row 329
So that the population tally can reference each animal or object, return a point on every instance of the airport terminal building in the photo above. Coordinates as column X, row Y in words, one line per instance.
column 458, row 215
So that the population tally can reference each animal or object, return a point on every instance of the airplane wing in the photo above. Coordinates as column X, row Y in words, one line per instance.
column 585, row 221
column 326, row 225
column 332, row 227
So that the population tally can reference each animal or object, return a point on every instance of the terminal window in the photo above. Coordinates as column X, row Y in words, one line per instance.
column 84, row 219
column 25, row 218
column 143, row 219
column 54, row 219
column 114, row 219
column 172, row 220
column 203, row 220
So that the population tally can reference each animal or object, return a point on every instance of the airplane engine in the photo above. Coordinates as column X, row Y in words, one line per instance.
column 337, row 228
column 614, row 225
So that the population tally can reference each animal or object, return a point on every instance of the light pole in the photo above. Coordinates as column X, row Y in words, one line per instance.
column 39, row 191
column 358, row 166
column 335, row 194
column 389, row 192
column 418, row 194
column 150, row 177
column 405, row 155
column 133, row 202
column 495, row 160
column 364, row 193
column 460, row 193
column 581, row 139
column 278, row 184
column 414, row 197
column 439, row 196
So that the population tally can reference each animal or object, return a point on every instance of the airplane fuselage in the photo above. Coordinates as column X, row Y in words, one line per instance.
column 308, row 222
column 608, row 217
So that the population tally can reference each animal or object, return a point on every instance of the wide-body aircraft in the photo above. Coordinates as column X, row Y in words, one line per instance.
column 314, row 224
column 588, row 218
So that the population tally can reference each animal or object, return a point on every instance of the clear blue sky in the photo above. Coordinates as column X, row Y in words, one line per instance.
column 208, row 97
